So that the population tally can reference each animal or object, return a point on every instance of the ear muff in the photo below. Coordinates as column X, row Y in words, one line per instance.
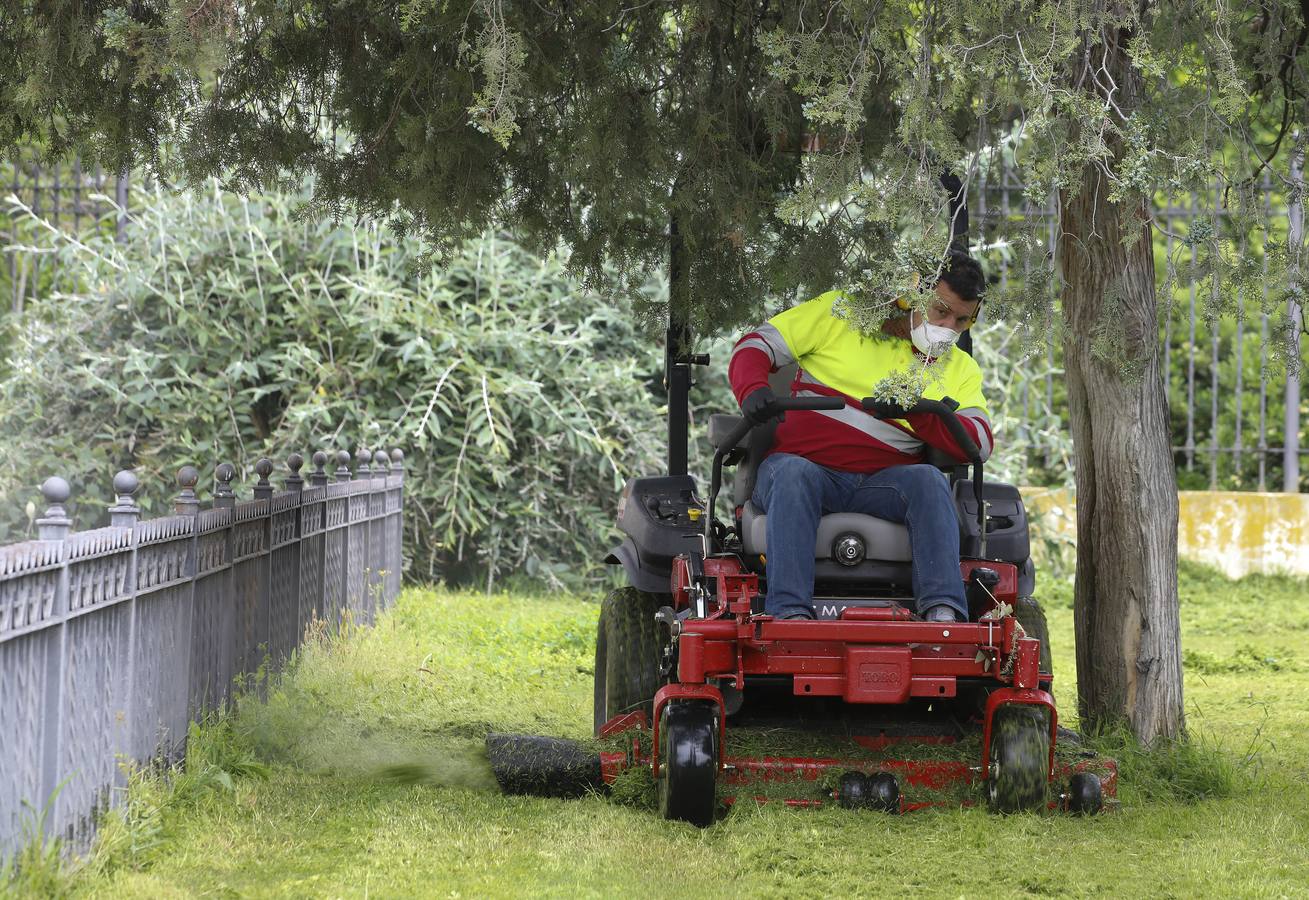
column 976, row 315
column 914, row 284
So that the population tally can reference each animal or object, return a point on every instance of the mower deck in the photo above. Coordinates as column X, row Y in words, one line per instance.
column 930, row 770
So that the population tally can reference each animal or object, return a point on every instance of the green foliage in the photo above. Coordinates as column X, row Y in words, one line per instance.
column 1187, row 769
column 465, row 663
column 227, row 328
column 1247, row 658
column 133, row 834
column 500, row 56
column 1033, row 444
column 794, row 147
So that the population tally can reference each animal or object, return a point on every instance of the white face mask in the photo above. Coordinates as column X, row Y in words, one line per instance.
column 932, row 340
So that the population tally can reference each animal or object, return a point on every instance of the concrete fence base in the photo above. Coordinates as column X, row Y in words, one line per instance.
column 1238, row 532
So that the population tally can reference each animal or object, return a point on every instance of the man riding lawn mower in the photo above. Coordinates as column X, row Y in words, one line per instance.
column 852, row 460
column 864, row 588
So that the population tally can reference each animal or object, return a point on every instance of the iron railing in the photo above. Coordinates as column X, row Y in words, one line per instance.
column 67, row 196
column 113, row 640
column 1258, row 451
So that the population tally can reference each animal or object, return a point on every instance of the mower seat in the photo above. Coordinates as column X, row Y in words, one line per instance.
column 885, row 541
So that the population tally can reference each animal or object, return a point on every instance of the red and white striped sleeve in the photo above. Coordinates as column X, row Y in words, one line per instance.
column 972, row 412
column 932, row 430
column 756, row 355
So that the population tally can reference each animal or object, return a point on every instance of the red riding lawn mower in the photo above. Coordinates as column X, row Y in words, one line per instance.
column 867, row 706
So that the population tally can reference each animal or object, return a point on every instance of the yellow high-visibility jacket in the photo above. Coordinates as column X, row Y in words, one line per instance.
column 836, row 360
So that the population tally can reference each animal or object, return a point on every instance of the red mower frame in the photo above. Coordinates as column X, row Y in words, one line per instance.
column 879, row 655
column 874, row 655
column 715, row 639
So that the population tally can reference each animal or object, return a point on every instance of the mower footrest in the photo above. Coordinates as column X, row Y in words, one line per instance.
column 929, row 686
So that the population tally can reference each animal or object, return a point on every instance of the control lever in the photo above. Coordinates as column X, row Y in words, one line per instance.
column 695, row 569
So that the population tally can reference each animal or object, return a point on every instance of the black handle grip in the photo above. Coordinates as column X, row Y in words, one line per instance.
column 945, row 410
column 781, row 405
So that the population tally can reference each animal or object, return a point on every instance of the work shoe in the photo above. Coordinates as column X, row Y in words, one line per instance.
column 941, row 613
column 798, row 614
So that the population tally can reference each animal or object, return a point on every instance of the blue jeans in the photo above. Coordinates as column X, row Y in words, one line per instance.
column 796, row 492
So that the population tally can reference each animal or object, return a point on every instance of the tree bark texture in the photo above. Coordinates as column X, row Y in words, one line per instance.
column 1129, row 666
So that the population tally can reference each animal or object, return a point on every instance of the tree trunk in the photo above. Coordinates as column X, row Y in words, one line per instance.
column 1129, row 666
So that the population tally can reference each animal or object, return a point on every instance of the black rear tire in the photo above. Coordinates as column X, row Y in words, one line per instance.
column 1020, row 760
column 1030, row 615
column 627, row 644
column 688, row 762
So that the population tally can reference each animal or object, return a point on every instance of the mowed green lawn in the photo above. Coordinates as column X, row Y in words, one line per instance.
column 417, row 694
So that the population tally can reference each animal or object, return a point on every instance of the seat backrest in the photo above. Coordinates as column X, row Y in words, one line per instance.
column 760, row 440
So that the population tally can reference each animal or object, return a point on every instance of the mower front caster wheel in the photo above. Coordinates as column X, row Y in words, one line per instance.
column 1020, row 761
column 688, row 762
column 1085, row 795
column 859, row 791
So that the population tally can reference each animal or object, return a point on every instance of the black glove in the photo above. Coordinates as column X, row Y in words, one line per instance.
column 886, row 410
column 760, row 406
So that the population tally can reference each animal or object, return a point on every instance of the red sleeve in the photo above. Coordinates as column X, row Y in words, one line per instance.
column 750, row 366
column 932, row 431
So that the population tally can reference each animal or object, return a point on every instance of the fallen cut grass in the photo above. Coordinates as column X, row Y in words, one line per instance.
column 362, row 776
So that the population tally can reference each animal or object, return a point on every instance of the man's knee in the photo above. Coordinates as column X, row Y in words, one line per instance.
column 790, row 476
column 924, row 480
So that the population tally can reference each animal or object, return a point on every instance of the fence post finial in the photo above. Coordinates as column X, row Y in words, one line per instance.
column 362, row 457
column 318, row 477
column 125, row 512
column 224, row 496
column 187, row 504
column 55, row 524
column 380, row 460
column 263, row 488
column 293, row 481
column 397, row 461
column 343, row 465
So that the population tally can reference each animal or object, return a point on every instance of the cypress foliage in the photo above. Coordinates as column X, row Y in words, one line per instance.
column 797, row 146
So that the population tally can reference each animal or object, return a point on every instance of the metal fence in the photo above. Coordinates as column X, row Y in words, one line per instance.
column 68, row 197
column 113, row 640
column 1230, row 429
